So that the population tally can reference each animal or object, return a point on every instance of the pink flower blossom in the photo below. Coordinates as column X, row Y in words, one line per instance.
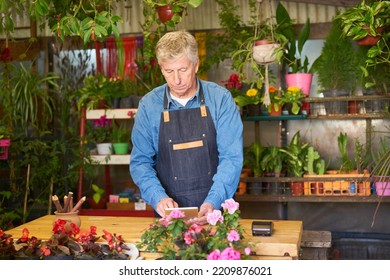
column 230, row 253
column 214, row 217
column 230, row 205
column 195, row 228
column 233, row 236
column 188, row 238
column 175, row 214
column 247, row 251
column 214, row 255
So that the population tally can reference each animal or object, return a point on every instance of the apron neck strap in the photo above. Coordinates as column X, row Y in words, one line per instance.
column 201, row 96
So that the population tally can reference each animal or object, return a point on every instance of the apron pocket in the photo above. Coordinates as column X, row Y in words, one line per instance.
column 190, row 159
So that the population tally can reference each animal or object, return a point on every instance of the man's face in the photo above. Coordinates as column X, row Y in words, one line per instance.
column 180, row 75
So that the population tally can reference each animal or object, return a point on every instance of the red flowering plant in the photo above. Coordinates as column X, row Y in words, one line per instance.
column 116, row 248
column 62, row 242
column 233, row 84
column 7, row 248
column 178, row 238
column 91, row 250
column 28, row 247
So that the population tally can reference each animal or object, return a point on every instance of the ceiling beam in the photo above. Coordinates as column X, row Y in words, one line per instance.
column 337, row 3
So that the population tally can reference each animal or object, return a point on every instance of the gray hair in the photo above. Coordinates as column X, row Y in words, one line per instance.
column 173, row 45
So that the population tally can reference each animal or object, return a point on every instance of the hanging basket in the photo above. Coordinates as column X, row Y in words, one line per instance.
column 264, row 54
column 4, row 145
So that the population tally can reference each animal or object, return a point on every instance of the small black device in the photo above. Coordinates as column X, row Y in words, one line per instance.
column 261, row 228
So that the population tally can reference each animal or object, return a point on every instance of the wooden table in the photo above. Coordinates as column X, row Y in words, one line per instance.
column 283, row 244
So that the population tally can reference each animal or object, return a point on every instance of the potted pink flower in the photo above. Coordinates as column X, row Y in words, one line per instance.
column 178, row 238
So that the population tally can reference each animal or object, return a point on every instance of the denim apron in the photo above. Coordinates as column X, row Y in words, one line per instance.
column 187, row 153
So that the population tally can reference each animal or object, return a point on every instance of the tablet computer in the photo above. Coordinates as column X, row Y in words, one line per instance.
column 189, row 212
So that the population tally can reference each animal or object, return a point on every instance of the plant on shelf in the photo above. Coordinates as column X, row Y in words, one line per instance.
column 337, row 66
column 251, row 97
column 275, row 99
column 346, row 164
column 178, row 238
column 98, row 199
column 101, row 130
column 315, row 164
column 296, row 159
column 233, row 84
column 120, row 132
column 293, row 58
column 273, row 161
column 292, row 97
column 99, row 89
column 252, row 158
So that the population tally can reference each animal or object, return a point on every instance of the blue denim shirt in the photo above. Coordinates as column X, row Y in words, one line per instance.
column 229, row 128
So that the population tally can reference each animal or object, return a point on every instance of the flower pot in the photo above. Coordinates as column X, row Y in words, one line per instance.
column 296, row 188
column 382, row 188
column 4, row 146
column 121, row 148
column 370, row 40
column 100, row 205
column 353, row 107
column 303, row 81
column 165, row 13
column 104, row 148
column 253, row 110
column 264, row 54
column 69, row 217
column 273, row 111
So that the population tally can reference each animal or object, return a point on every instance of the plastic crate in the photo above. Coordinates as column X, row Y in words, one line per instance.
column 346, row 187
column 4, row 145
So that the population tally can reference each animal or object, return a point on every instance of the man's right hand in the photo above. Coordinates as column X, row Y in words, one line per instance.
column 165, row 203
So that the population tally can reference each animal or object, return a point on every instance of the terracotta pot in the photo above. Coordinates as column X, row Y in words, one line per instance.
column 69, row 217
column 165, row 13
column 242, row 185
column 353, row 107
column 370, row 40
column 296, row 188
column 273, row 112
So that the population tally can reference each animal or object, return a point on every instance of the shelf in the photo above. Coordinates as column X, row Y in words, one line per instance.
column 110, row 159
column 126, row 113
column 275, row 118
column 311, row 198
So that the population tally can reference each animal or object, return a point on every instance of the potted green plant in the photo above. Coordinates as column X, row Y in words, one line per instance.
column 98, row 199
column 337, row 68
column 292, row 100
column 120, row 138
column 100, row 133
column 275, row 101
column 295, row 161
column 295, row 64
column 365, row 21
column 252, row 160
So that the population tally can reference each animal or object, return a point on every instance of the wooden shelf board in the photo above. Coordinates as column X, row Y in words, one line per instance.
column 111, row 159
column 124, row 113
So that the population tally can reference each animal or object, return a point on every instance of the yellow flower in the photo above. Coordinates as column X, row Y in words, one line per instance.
column 293, row 89
column 252, row 92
